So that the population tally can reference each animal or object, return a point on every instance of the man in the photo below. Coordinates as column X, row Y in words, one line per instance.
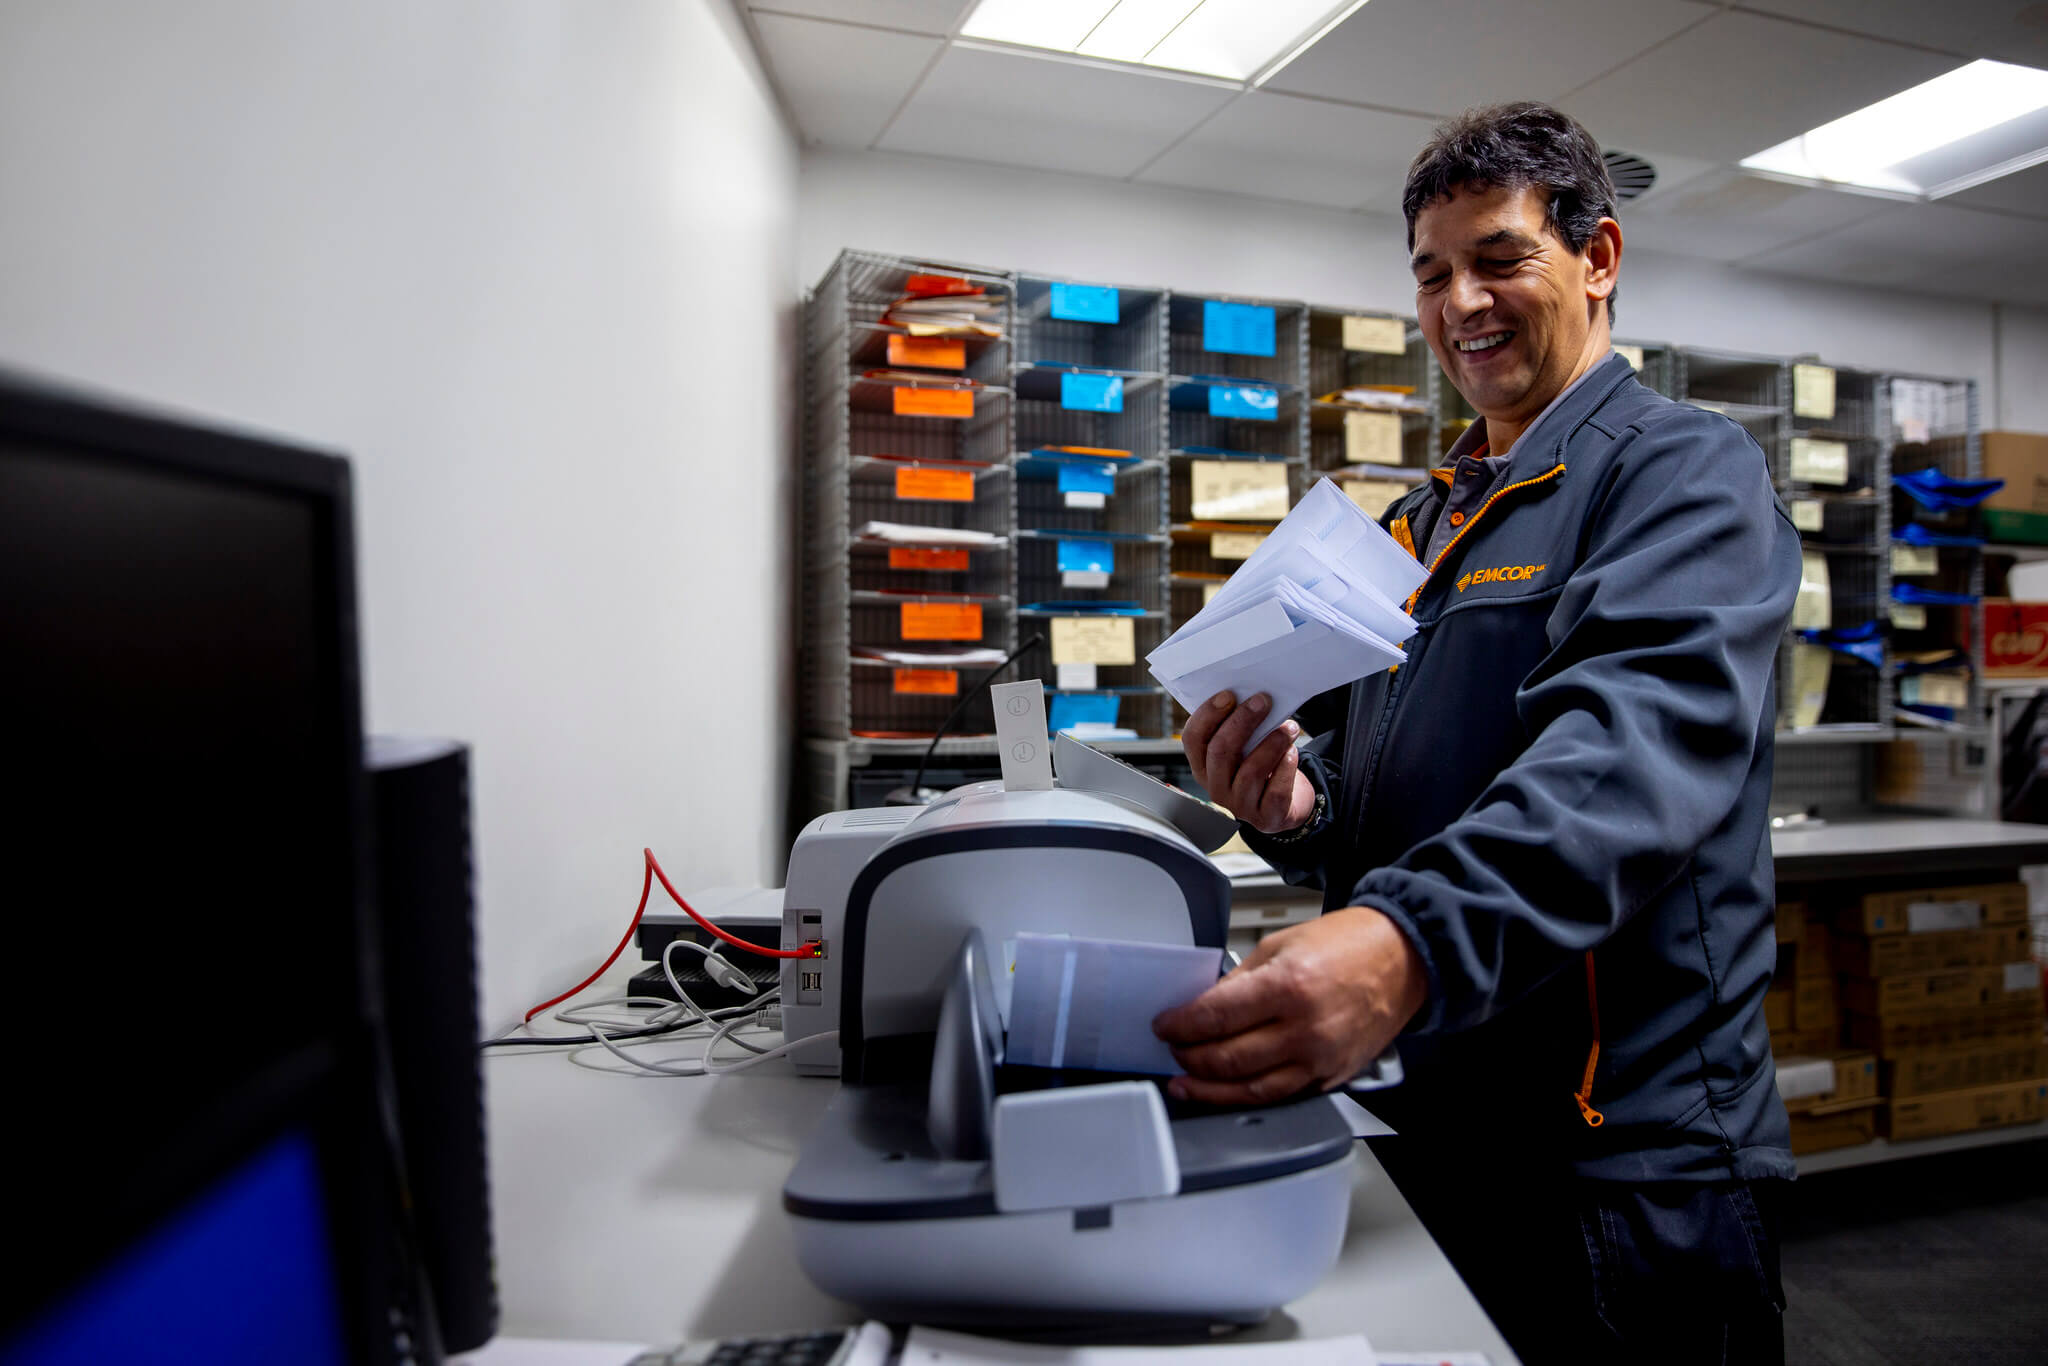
column 1542, row 840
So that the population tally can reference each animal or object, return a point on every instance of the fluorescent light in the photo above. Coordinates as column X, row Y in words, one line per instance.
column 1959, row 129
column 1235, row 39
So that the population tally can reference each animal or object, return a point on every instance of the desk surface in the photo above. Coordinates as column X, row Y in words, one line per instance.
column 1883, row 847
column 639, row 1208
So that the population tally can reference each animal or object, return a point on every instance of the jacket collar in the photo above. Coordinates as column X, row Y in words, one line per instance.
column 1541, row 448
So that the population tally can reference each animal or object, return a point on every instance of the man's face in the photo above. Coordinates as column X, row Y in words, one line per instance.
column 1502, row 301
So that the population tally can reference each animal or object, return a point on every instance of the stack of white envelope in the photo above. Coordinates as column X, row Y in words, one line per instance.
column 1317, row 606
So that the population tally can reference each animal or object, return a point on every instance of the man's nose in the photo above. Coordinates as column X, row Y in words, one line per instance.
column 1469, row 296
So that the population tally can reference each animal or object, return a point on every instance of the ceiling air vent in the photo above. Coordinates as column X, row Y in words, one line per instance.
column 1631, row 174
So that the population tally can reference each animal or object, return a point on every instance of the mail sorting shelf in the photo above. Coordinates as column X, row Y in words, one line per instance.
column 1140, row 702
column 1134, row 342
column 1660, row 367
column 895, row 697
column 1397, row 431
column 1204, row 333
column 1933, row 423
column 860, row 288
column 1834, row 465
column 882, row 597
column 1750, row 390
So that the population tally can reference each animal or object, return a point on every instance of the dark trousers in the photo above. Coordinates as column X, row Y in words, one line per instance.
column 1576, row 1272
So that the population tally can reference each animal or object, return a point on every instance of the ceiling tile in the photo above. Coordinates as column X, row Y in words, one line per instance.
column 1726, row 216
column 1024, row 110
column 1740, row 83
column 918, row 16
column 1442, row 56
column 2005, row 30
column 1934, row 248
column 843, row 83
column 1288, row 148
column 2021, row 192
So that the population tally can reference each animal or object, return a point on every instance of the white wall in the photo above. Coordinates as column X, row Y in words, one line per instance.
column 529, row 262
column 1187, row 239
column 2023, row 368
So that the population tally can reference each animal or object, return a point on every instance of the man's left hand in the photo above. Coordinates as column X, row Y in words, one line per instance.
column 1312, row 1006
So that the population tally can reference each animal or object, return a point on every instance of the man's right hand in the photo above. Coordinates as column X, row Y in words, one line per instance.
column 1266, row 788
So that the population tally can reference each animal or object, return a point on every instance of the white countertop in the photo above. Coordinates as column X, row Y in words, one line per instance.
column 635, row 1208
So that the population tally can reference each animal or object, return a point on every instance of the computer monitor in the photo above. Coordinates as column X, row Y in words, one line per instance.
column 200, row 1164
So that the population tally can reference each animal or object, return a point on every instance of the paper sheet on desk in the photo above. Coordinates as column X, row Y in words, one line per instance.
column 936, row 1347
column 1316, row 606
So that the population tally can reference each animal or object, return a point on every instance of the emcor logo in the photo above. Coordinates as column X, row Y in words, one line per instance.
column 1509, row 573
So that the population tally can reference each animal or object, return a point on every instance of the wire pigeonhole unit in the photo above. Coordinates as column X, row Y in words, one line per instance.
column 1372, row 397
column 1660, row 368
column 1832, row 479
column 1932, row 424
column 1090, row 377
column 1236, row 418
column 908, row 500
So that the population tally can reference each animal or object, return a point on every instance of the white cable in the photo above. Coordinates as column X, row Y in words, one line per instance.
column 720, row 1069
column 698, row 1066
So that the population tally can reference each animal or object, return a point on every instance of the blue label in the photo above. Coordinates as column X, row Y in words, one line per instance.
column 1244, row 400
column 1237, row 329
column 1084, row 303
column 1087, row 557
column 1074, row 708
column 1092, row 393
column 1087, row 478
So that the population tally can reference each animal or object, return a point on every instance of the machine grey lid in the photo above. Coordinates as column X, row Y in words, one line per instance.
column 1085, row 769
column 871, row 1159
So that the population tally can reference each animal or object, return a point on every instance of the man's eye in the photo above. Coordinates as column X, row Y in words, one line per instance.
column 1503, row 262
column 1433, row 282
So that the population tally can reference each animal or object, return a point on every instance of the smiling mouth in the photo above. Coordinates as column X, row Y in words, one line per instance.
column 1485, row 343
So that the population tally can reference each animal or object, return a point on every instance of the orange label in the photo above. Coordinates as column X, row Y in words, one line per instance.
column 921, row 557
column 930, row 682
column 942, row 621
column 922, row 284
column 939, row 486
column 940, row 353
column 933, row 402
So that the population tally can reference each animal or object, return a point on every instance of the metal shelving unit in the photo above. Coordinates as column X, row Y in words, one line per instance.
column 1039, row 430
column 903, row 432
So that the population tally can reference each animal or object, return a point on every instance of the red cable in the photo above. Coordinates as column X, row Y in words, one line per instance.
column 653, row 871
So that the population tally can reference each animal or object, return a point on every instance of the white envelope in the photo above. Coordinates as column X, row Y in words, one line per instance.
column 1332, row 530
column 1312, row 658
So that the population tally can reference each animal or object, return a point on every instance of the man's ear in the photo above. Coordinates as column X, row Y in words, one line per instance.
column 1603, row 261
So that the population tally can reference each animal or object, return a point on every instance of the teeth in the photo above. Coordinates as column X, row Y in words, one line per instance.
column 1483, row 343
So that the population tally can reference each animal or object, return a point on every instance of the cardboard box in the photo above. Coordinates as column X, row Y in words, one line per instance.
column 1816, row 956
column 1777, row 1011
column 1925, row 1029
column 1960, row 1112
column 1791, row 921
column 1935, row 909
column 1813, row 1003
column 2015, row 638
column 1808, row 1042
column 1817, row 1133
column 1956, row 989
column 2019, row 511
column 1843, row 1078
column 1890, row 955
column 1925, row 1071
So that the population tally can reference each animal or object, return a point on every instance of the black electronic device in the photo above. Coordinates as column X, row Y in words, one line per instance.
column 419, row 793
column 201, row 1172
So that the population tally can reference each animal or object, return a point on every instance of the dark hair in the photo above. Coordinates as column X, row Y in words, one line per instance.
column 1514, row 146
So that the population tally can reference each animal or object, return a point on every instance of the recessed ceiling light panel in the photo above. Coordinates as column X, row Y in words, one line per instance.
column 1970, row 125
column 1239, row 40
